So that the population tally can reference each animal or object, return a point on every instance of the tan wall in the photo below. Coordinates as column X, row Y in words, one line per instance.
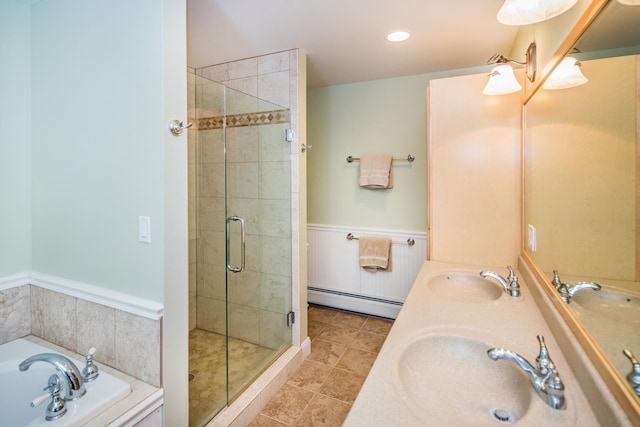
column 580, row 173
column 474, row 173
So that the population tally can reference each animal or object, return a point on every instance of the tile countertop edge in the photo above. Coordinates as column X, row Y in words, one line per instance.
column 420, row 315
column 142, row 399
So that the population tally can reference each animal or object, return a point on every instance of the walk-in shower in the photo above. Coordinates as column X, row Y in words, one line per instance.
column 240, row 271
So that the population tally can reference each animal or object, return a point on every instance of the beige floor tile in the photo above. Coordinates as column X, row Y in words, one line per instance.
column 288, row 404
column 342, row 385
column 324, row 411
column 368, row 341
column 338, row 334
column 343, row 349
column 349, row 320
column 326, row 352
column 264, row 421
column 377, row 325
column 322, row 314
column 315, row 328
column 357, row 361
column 310, row 375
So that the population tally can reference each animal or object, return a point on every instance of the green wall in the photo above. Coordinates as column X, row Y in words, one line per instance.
column 380, row 116
column 82, row 151
column 97, row 159
column 15, row 138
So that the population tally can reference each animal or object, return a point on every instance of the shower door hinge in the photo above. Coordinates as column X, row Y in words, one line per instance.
column 291, row 318
column 288, row 135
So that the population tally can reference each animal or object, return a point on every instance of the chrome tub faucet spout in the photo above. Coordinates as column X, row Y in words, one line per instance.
column 510, row 284
column 568, row 291
column 544, row 376
column 70, row 373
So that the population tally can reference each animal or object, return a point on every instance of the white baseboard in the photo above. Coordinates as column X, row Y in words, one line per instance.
column 354, row 303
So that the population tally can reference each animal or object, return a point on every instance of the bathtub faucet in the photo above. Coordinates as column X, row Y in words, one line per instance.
column 69, row 371
column 510, row 284
column 545, row 378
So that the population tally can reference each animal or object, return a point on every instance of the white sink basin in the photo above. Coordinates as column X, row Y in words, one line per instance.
column 615, row 305
column 450, row 380
column 465, row 287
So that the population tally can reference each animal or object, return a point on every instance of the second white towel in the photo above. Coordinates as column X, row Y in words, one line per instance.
column 376, row 171
column 375, row 253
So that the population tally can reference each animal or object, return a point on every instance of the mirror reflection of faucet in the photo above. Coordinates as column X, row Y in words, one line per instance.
column 510, row 284
column 634, row 376
column 568, row 291
column 544, row 377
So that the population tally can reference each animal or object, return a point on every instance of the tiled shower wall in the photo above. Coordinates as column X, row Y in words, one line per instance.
column 124, row 341
column 258, row 156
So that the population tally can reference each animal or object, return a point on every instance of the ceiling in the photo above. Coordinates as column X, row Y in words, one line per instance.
column 345, row 39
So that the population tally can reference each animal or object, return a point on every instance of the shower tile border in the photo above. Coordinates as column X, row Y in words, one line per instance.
column 241, row 120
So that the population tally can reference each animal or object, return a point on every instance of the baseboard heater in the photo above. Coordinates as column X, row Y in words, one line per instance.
column 354, row 302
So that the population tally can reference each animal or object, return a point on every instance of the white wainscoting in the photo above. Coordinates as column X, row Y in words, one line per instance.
column 336, row 279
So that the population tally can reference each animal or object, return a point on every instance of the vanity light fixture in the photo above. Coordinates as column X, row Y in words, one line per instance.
column 567, row 74
column 398, row 36
column 525, row 12
column 502, row 80
column 629, row 2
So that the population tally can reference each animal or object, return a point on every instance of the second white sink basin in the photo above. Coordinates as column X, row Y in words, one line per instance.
column 465, row 287
column 615, row 305
column 450, row 380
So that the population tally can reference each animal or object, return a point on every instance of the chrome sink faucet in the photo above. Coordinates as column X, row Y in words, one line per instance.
column 510, row 284
column 544, row 377
column 568, row 291
column 70, row 373
column 634, row 376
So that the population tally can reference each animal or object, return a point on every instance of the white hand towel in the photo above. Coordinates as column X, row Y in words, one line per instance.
column 376, row 171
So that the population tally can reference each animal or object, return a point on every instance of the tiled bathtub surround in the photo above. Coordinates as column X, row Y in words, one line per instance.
column 124, row 341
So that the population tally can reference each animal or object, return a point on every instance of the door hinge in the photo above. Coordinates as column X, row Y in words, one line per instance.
column 291, row 318
column 288, row 135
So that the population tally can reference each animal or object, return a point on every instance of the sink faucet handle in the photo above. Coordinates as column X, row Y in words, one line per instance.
column 556, row 282
column 634, row 376
column 90, row 370
column 543, row 360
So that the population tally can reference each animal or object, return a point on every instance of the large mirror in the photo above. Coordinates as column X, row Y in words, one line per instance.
column 582, row 187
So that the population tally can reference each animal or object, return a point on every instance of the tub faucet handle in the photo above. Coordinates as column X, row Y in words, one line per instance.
column 90, row 370
column 56, row 408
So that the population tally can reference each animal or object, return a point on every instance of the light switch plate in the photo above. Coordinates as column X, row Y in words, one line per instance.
column 144, row 229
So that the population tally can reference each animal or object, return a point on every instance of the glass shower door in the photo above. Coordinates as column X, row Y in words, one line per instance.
column 258, row 236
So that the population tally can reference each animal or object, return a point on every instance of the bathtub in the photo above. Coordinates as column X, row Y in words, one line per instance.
column 20, row 388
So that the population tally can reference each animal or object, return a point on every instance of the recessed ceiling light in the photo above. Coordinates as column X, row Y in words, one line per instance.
column 398, row 36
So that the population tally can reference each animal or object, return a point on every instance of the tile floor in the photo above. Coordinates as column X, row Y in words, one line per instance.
column 207, row 364
column 343, row 348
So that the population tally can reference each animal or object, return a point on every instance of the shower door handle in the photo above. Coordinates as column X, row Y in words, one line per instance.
column 242, row 245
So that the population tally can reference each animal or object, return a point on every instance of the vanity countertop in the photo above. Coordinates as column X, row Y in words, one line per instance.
column 387, row 397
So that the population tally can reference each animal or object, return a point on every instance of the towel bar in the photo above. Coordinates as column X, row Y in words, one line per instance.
column 409, row 242
column 410, row 158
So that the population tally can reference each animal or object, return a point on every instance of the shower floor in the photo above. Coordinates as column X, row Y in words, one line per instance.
column 207, row 364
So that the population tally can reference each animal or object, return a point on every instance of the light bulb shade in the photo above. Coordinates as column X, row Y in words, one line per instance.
column 502, row 81
column 525, row 12
column 567, row 74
